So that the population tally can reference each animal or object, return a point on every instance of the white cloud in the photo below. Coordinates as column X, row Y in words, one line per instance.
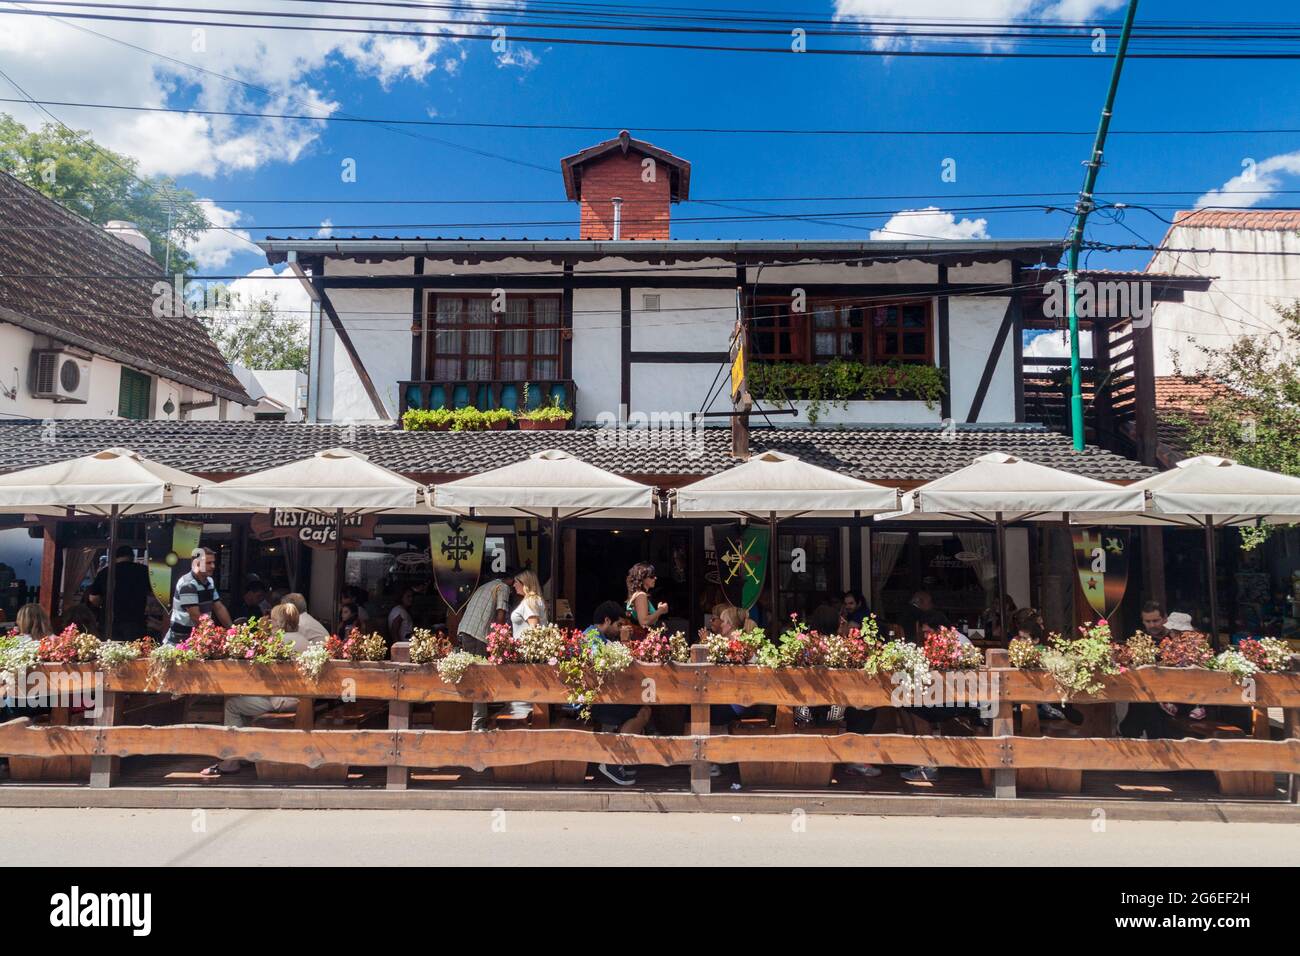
column 214, row 248
column 291, row 299
column 1255, row 184
column 957, row 11
column 326, row 229
column 930, row 223
column 1057, row 345
column 66, row 60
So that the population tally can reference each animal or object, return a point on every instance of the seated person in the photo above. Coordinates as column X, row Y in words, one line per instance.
column 1152, row 720
column 921, row 608
column 309, row 627
column 239, row 709
column 619, row 718
column 400, row 621
column 854, row 610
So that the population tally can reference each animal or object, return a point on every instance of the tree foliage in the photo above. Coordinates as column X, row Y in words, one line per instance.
column 102, row 185
column 1256, row 419
column 252, row 333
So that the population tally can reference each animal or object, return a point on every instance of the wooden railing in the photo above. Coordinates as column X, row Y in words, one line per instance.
column 485, row 395
column 696, row 685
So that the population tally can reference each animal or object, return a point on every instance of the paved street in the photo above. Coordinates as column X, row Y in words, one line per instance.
column 445, row 838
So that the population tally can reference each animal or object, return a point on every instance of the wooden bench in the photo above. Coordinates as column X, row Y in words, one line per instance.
column 765, row 773
column 563, row 772
column 1233, row 783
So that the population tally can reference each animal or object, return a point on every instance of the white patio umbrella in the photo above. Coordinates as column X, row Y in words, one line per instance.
column 1211, row 493
column 113, row 483
column 998, row 488
column 551, row 485
column 337, row 481
column 773, row 486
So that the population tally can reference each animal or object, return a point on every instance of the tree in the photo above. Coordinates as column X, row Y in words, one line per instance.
column 1256, row 418
column 102, row 185
column 255, row 335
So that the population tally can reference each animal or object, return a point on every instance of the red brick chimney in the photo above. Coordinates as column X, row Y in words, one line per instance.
column 625, row 186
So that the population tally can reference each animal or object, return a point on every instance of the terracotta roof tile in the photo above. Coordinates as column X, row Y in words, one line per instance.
column 1281, row 220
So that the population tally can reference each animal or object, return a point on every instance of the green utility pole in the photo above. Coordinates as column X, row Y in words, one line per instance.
column 1081, row 211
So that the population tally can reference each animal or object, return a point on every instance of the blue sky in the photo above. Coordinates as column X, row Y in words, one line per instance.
column 237, row 163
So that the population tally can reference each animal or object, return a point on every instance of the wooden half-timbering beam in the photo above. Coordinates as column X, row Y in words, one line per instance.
column 348, row 346
column 945, row 344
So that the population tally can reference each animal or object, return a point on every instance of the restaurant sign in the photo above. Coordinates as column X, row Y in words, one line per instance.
column 1101, row 557
column 316, row 529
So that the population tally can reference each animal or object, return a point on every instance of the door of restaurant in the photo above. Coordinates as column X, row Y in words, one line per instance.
column 604, row 556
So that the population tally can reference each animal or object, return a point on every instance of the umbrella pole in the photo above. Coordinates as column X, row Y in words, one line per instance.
column 338, row 571
column 109, row 592
column 1213, row 574
column 1001, row 532
column 774, row 555
column 555, row 557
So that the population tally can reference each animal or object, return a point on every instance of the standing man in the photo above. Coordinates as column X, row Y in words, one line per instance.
column 400, row 621
column 131, row 592
column 488, row 605
column 196, row 595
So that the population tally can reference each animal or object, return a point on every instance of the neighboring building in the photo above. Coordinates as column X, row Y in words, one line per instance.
column 1255, row 266
column 78, row 334
column 279, row 395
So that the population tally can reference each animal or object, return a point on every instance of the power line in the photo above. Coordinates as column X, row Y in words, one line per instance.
column 983, row 53
column 599, row 128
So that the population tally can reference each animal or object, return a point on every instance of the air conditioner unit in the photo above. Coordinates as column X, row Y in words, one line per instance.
column 60, row 375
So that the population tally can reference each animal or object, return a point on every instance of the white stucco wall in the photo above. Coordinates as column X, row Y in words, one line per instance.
column 16, row 345
column 1241, row 299
column 688, row 320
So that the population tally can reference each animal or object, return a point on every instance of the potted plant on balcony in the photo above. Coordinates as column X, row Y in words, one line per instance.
column 552, row 417
column 428, row 419
column 470, row 419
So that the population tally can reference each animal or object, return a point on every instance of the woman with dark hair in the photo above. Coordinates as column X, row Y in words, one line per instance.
column 641, row 580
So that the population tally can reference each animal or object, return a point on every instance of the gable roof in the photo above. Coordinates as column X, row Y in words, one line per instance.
column 1274, row 220
column 52, row 264
column 679, row 169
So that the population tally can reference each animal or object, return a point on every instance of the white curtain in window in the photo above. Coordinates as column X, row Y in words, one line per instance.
column 986, row 568
column 886, row 548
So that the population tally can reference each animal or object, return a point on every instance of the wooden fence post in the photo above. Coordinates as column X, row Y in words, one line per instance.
column 1291, row 731
column 103, row 769
column 699, row 721
column 1004, row 725
column 399, row 718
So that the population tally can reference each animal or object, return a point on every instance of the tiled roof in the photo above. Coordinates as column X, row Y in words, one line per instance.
column 46, row 251
column 1181, row 398
column 1284, row 220
column 886, row 453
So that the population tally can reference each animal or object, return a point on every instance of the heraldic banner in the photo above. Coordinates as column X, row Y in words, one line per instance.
column 742, row 562
column 1101, row 557
column 171, row 545
column 456, row 553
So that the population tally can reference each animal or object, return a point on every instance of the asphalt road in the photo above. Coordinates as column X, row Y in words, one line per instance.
column 449, row 838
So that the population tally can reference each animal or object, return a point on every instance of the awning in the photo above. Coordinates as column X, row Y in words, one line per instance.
column 327, row 481
column 546, row 484
column 1016, row 490
column 94, row 484
column 1212, row 491
column 773, row 482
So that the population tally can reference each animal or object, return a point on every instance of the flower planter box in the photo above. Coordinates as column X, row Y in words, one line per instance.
column 543, row 424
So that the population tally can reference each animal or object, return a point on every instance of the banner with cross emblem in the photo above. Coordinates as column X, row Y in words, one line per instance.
column 456, row 553
column 742, row 562
column 1101, row 556
column 528, row 541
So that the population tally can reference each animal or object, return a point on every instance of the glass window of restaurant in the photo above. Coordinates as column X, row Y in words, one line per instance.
column 958, row 568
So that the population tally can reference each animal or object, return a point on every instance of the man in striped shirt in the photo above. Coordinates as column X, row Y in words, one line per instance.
column 488, row 605
column 196, row 595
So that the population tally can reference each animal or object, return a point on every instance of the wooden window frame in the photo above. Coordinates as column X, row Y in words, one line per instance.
column 497, row 357
column 803, row 329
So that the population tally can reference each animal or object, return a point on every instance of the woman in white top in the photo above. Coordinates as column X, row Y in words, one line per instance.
column 531, row 609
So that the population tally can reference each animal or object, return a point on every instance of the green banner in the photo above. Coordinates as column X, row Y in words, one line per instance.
column 742, row 562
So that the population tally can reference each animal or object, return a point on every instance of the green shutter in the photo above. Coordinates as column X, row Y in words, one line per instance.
column 134, row 394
